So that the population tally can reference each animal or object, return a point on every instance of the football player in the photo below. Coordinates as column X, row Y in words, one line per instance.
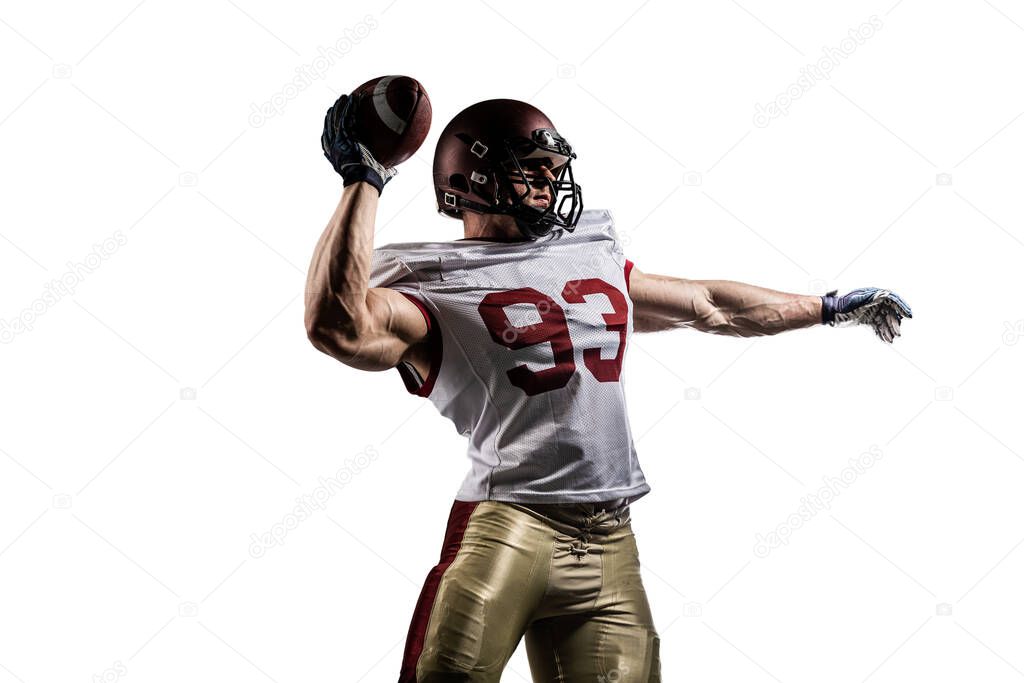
column 517, row 332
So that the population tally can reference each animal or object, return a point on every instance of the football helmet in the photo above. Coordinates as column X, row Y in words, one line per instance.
column 493, row 146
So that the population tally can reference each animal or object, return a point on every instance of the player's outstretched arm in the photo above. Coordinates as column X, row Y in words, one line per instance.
column 370, row 328
column 662, row 302
column 737, row 309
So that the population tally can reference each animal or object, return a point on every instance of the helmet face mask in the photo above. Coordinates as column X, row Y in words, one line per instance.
column 522, row 168
column 489, row 159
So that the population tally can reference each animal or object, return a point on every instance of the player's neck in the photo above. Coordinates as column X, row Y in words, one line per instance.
column 491, row 228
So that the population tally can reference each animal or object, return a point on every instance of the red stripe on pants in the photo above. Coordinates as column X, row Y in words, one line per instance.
column 458, row 519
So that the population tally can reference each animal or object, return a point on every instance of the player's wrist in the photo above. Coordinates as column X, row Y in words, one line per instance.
column 828, row 307
column 361, row 190
column 353, row 174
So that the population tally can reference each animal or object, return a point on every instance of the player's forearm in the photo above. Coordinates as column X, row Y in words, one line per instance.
column 744, row 310
column 339, row 274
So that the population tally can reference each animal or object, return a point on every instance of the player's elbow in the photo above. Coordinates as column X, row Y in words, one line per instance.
column 708, row 316
column 320, row 338
column 325, row 340
column 330, row 333
column 354, row 343
column 715, row 321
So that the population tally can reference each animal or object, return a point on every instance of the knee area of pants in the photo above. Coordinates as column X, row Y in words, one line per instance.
column 436, row 671
column 441, row 668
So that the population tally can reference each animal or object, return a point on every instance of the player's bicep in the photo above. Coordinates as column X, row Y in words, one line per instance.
column 398, row 323
column 398, row 315
column 662, row 302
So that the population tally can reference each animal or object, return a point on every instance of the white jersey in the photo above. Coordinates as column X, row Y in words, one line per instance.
column 527, row 342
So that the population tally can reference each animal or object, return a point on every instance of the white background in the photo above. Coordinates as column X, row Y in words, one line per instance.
column 128, row 511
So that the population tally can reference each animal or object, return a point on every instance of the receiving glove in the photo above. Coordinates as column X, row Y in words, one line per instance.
column 880, row 308
column 349, row 157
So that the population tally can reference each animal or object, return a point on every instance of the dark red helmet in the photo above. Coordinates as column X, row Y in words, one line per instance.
column 491, row 145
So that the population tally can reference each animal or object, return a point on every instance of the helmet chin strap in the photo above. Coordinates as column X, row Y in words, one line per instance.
column 533, row 230
column 532, row 223
column 540, row 226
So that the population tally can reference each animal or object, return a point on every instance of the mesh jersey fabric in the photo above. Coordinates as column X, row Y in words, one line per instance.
column 527, row 342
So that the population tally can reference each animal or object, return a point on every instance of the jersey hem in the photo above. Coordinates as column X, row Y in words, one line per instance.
column 633, row 492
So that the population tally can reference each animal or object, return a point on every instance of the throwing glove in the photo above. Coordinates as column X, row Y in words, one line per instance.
column 349, row 157
column 880, row 308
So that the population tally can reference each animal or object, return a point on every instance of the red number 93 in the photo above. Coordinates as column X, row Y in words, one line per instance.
column 554, row 330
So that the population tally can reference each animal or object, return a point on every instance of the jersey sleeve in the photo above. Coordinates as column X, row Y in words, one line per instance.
column 414, row 384
column 606, row 224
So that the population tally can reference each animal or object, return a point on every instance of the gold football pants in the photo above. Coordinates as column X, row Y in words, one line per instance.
column 566, row 576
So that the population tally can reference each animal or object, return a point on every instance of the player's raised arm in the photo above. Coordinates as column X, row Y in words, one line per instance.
column 366, row 328
column 737, row 309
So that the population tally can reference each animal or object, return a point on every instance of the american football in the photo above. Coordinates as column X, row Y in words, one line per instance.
column 392, row 116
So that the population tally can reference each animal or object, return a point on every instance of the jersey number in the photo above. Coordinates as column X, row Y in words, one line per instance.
column 554, row 330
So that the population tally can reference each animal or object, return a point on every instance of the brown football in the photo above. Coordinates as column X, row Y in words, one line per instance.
column 392, row 118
